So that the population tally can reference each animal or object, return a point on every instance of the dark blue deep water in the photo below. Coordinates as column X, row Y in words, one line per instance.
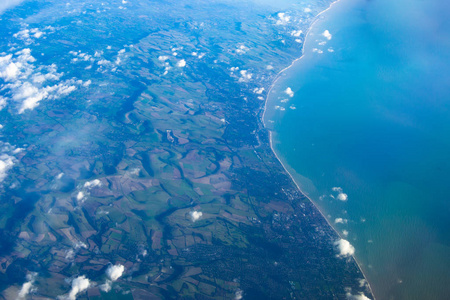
column 370, row 117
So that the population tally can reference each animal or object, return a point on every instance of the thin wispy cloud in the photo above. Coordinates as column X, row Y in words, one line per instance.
column 7, row 4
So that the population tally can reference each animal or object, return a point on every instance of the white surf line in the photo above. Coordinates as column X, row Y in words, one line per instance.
column 278, row 158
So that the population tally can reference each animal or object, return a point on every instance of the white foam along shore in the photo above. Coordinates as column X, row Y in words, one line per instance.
column 316, row 18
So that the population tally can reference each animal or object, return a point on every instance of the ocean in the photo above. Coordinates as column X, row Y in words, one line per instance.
column 366, row 134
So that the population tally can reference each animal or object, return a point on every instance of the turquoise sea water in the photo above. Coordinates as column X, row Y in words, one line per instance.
column 373, row 118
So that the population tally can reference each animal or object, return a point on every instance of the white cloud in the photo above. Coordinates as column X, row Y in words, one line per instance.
column 331, row 50
column 27, row 84
column 342, row 197
column 289, row 92
column 238, row 295
column 181, row 63
column 293, row 107
column 92, row 184
column 340, row 220
column 327, row 35
column 7, row 159
column 195, row 215
column 80, row 196
column 283, row 19
column 362, row 282
column 6, row 163
column 360, row 296
column 27, row 287
column 106, row 287
column 114, row 272
column 241, row 49
column 27, row 35
column 70, row 254
column 307, row 10
column 296, row 33
column 337, row 189
column 258, row 90
column 79, row 285
column 79, row 244
column 344, row 247
column 345, row 232
column 317, row 50
column 7, row 4
column 245, row 76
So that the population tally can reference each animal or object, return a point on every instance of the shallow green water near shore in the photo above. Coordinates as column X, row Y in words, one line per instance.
column 371, row 115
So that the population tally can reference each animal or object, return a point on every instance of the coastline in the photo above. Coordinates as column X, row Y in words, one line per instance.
column 278, row 76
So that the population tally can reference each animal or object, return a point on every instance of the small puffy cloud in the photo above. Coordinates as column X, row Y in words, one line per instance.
column 70, row 254
column 337, row 189
column 327, row 35
column 342, row 197
column 344, row 247
column 362, row 282
column 6, row 163
column 79, row 244
column 80, row 196
column 181, row 63
column 241, row 49
column 289, row 92
column 245, row 76
column 283, row 19
column 27, row 287
column 27, row 35
column 79, row 285
column 293, row 107
column 114, row 272
column 238, row 295
column 340, row 221
column 92, row 184
column 345, row 232
column 269, row 67
column 7, row 159
column 258, row 90
column 359, row 296
column 331, row 50
column 195, row 215
column 296, row 33
column 106, row 287
column 317, row 50
column 103, row 62
column 307, row 10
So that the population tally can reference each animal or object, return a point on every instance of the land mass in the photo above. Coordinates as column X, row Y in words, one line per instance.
column 158, row 159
